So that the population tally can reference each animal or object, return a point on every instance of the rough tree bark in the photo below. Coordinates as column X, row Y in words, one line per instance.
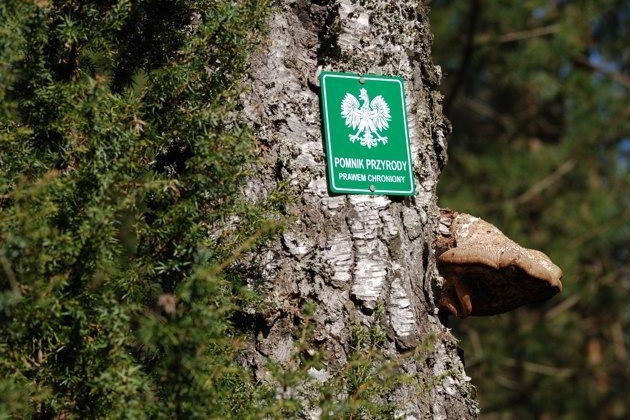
column 352, row 253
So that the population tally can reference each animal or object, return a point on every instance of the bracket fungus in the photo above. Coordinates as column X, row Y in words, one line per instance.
column 486, row 273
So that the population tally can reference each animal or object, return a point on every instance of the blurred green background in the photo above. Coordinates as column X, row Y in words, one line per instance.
column 538, row 93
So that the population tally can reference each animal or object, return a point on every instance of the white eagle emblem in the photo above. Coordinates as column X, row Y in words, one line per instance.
column 368, row 119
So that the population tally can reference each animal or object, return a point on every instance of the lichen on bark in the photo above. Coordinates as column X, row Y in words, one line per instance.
column 352, row 254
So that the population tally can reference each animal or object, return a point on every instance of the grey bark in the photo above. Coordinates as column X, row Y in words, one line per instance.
column 352, row 253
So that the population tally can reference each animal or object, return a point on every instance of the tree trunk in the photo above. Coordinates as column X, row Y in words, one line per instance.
column 364, row 261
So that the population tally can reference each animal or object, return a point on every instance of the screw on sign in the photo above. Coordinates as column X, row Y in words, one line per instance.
column 367, row 138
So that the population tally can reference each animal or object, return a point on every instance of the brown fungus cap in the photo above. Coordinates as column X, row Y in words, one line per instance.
column 486, row 273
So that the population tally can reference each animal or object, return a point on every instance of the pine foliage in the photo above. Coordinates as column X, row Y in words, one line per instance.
column 120, row 162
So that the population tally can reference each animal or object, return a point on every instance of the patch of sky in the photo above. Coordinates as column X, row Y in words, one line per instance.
column 539, row 12
column 623, row 155
column 600, row 62
column 565, row 70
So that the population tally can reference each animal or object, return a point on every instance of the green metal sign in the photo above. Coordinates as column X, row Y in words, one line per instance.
column 367, row 139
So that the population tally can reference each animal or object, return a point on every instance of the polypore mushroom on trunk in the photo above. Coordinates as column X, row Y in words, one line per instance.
column 485, row 272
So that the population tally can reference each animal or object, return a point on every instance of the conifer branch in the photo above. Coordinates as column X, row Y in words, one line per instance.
column 546, row 182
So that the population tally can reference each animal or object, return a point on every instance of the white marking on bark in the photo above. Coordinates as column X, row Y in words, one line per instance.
column 369, row 276
column 402, row 317
column 320, row 375
column 390, row 224
column 372, row 255
column 339, row 258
